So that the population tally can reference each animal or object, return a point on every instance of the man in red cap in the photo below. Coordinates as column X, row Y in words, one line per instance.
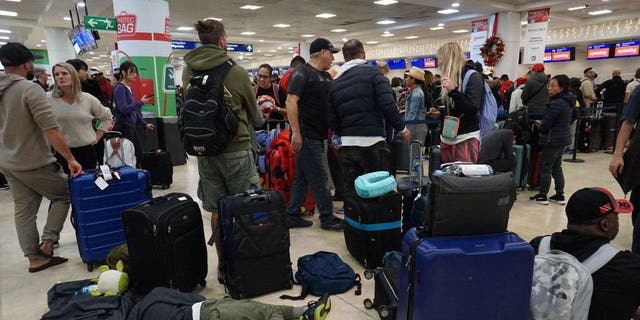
column 516, row 96
column 592, row 215
column 535, row 95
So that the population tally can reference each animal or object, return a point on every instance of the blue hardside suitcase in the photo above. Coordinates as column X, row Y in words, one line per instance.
column 473, row 277
column 522, row 165
column 96, row 213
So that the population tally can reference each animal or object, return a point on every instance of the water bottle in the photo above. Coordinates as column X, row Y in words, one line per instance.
column 86, row 290
column 335, row 140
column 415, row 168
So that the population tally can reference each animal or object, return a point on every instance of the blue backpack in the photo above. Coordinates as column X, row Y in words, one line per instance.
column 324, row 272
column 488, row 112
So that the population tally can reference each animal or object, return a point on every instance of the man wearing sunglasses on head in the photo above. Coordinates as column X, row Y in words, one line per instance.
column 592, row 215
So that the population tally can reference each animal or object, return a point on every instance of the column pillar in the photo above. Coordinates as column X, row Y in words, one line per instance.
column 509, row 31
column 59, row 48
column 145, row 39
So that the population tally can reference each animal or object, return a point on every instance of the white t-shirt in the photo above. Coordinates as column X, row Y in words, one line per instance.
column 632, row 85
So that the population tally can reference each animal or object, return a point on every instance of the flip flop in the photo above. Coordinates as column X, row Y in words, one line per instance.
column 53, row 261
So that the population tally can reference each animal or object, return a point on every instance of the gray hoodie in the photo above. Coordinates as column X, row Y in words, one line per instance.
column 535, row 94
column 24, row 114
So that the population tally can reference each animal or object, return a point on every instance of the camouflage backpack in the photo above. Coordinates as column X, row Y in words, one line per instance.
column 562, row 286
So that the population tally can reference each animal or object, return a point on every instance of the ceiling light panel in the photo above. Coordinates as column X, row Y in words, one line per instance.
column 251, row 7
column 455, row 4
column 436, row 28
column 388, row 34
column 578, row 8
column 8, row 13
column 460, row 31
column 183, row 28
column 372, row 42
column 247, row 33
column 4, row 37
column 282, row 25
column 411, row 37
column 599, row 12
column 385, row 2
column 325, row 15
column 386, row 21
column 307, row 35
column 5, row 31
column 338, row 30
column 448, row 11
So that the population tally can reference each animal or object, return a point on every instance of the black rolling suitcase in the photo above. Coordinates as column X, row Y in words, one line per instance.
column 158, row 163
column 414, row 190
column 434, row 159
column 372, row 227
column 166, row 244
column 385, row 299
column 255, row 244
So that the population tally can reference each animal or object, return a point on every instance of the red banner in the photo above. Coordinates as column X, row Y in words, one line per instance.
column 480, row 25
column 540, row 15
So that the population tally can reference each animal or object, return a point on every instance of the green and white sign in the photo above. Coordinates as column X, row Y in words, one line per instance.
column 169, row 84
column 100, row 23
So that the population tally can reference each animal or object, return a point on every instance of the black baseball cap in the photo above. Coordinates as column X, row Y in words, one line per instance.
column 592, row 203
column 321, row 43
column 14, row 54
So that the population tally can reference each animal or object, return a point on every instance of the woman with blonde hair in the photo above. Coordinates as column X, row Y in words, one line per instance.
column 75, row 112
column 463, row 104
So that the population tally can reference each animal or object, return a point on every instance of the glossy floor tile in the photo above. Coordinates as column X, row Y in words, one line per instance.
column 23, row 295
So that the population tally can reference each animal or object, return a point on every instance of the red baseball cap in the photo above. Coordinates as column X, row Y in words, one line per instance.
column 538, row 67
column 593, row 203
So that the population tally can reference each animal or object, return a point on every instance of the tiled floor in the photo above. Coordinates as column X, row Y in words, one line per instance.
column 23, row 295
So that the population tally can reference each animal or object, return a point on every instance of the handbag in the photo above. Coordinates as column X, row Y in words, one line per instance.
column 450, row 127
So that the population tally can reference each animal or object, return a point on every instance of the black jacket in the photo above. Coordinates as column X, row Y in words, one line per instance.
column 361, row 103
column 466, row 105
column 616, row 286
column 535, row 94
column 555, row 128
column 615, row 90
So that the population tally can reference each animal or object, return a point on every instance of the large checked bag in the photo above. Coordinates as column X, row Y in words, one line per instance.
column 462, row 206
column 97, row 204
column 255, row 244
column 477, row 277
column 166, row 244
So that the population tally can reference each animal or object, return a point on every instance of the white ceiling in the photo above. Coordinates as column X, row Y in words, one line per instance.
column 358, row 17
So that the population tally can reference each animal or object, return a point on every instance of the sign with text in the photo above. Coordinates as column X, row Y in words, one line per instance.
column 184, row 45
column 479, row 34
column 100, row 23
column 536, row 37
column 598, row 51
column 559, row 54
column 239, row 47
column 168, row 80
column 395, row 64
column 627, row 49
column 126, row 26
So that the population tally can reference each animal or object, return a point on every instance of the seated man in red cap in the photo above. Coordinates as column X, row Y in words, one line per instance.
column 592, row 215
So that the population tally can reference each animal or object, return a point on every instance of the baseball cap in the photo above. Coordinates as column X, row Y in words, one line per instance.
column 94, row 71
column 538, row 67
column 14, row 54
column 321, row 43
column 521, row 80
column 593, row 203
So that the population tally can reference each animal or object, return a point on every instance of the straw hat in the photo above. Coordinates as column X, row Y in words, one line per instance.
column 416, row 73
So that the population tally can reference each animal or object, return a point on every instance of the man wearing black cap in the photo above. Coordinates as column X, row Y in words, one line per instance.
column 26, row 159
column 592, row 215
column 307, row 112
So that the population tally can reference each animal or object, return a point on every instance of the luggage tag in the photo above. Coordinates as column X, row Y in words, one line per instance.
column 101, row 183
column 106, row 172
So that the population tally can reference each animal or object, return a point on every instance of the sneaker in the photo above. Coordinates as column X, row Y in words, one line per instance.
column 557, row 198
column 298, row 222
column 336, row 224
column 340, row 210
column 539, row 199
column 318, row 310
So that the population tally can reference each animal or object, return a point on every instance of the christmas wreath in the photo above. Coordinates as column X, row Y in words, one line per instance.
column 492, row 50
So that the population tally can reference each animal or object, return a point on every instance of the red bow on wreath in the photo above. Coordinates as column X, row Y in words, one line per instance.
column 492, row 50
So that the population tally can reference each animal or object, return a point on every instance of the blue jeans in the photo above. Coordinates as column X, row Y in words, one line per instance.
column 551, row 167
column 311, row 172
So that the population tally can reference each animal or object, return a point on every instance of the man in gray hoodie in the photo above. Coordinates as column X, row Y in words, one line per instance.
column 27, row 127
column 535, row 95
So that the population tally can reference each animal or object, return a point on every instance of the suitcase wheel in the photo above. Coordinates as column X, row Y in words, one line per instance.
column 368, row 274
column 89, row 266
column 368, row 303
column 384, row 312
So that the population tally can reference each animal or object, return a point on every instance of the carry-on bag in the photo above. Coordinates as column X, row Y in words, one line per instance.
column 372, row 227
column 521, row 171
column 65, row 301
column 434, row 159
column 472, row 277
column 97, row 201
column 165, row 237
column 385, row 301
column 158, row 163
column 255, row 243
column 463, row 206
column 414, row 190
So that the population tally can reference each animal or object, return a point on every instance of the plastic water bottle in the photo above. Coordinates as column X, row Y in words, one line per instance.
column 335, row 140
column 415, row 168
column 86, row 290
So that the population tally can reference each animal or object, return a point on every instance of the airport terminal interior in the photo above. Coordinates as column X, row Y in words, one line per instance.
column 403, row 33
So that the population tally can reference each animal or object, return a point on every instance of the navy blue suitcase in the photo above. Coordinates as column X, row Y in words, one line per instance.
column 96, row 213
column 478, row 277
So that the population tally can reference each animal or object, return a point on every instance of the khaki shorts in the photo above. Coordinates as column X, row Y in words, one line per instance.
column 226, row 174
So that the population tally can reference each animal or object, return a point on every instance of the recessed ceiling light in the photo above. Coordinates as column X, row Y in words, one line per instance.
column 184, row 28
column 251, row 7
column 272, row 50
column 325, row 15
column 345, row 39
column 386, row 34
column 385, row 2
column 247, row 33
column 372, row 42
column 5, row 31
column 260, row 40
column 578, row 8
column 66, row 18
column 13, row 0
column 436, row 28
column 455, row 4
column 440, row 24
column 80, row 4
column 92, row 53
column 338, row 30
column 213, row 18
column 248, row 54
column 386, row 21
column 599, row 12
column 282, row 25
column 524, row 23
column 268, row 55
column 38, row 45
column 259, row 51
column 460, row 31
column 8, row 13
column 4, row 37
column 308, row 35
column 448, row 11
column 411, row 37
column 2, row 43
column 290, row 51
column 43, row 41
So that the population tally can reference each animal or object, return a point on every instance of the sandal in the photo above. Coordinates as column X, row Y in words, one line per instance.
column 53, row 261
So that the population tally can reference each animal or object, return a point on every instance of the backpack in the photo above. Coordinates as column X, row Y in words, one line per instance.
column 207, row 122
column 488, row 112
column 275, row 88
column 324, row 272
column 562, row 286
column 65, row 303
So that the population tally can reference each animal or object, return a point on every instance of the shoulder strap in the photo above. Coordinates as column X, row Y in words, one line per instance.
column 467, row 75
column 545, row 245
column 601, row 257
column 276, row 94
column 541, row 87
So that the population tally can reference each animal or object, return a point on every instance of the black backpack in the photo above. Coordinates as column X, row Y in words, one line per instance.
column 66, row 303
column 207, row 122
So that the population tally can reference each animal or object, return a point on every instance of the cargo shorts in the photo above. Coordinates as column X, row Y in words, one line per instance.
column 225, row 174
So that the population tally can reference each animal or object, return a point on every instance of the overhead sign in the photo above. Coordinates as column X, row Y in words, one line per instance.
column 627, row 49
column 479, row 34
column 100, row 23
column 239, row 47
column 184, row 45
column 430, row 62
column 417, row 62
column 559, row 54
column 127, row 26
column 598, row 51
column 536, row 36
column 396, row 64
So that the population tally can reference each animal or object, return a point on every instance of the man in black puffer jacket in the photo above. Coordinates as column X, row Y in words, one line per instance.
column 361, row 104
